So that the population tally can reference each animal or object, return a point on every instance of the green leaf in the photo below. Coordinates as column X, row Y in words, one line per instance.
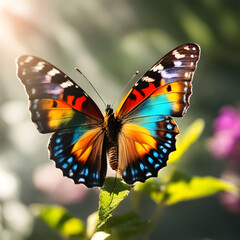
column 60, row 220
column 182, row 188
column 112, row 193
column 152, row 187
column 196, row 187
column 126, row 225
column 185, row 140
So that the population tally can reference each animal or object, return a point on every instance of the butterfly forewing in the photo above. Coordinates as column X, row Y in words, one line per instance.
column 59, row 105
column 42, row 80
column 176, row 66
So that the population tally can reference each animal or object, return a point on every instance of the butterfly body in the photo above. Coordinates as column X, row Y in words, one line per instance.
column 137, row 138
column 112, row 126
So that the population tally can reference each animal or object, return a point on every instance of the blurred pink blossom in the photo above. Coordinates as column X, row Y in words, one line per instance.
column 230, row 201
column 225, row 143
column 226, row 137
column 62, row 189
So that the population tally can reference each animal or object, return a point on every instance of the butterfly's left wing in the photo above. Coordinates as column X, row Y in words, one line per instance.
column 59, row 105
column 80, row 152
column 148, row 132
column 56, row 101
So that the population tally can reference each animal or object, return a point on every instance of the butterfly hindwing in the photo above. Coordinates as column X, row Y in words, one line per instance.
column 59, row 105
column 148, row 130
column 81, row 154
column 144, row 146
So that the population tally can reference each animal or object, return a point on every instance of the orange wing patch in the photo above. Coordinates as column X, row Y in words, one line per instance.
column 144, row 147
column 134, row 142
column 87, row 145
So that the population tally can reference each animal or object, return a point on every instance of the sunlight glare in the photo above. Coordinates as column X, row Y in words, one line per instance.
column 8, row 185
column 18, row 216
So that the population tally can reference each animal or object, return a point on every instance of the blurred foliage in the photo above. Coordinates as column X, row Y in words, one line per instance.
column 186, row 139
column 109, row 41
column 183, row 187
column 61, row 220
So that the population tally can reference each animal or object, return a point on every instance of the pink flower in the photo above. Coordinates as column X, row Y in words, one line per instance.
column 226, row 138
column 62, row 189
column 225, row 143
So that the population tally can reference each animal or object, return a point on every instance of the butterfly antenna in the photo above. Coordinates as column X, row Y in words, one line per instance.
column 136, row 73
column 92, row 86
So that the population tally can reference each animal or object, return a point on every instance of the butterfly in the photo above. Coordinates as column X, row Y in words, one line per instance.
column 137, row 138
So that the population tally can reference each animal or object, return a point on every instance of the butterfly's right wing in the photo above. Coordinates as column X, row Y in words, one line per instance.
column 174, row 70
column 147, row 136
column 59, row 105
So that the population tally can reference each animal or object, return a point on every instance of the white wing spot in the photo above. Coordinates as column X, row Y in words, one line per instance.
column 157, row 68
column 148, row 79
column 39, row 66
column 177, row 63
column 194, row 49
column 70, row 173
column 192, row 56
column 177, row 54
column 187, row 74
column 187, row 48
column 28, row 59
column 168, row 75
column 38, row 114
column 184, row 98
column 53, row 72
column 81, row 180
column 148, row 174
column 33, row 90
column 66, row 84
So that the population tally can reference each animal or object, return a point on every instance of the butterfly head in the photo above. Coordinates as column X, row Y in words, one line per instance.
column 109, row 110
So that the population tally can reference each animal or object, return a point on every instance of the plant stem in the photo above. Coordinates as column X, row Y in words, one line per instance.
column 135, row 200
column 153, row 221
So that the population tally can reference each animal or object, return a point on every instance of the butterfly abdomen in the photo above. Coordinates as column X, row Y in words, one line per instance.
column 113, row 155
column 112, row 127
